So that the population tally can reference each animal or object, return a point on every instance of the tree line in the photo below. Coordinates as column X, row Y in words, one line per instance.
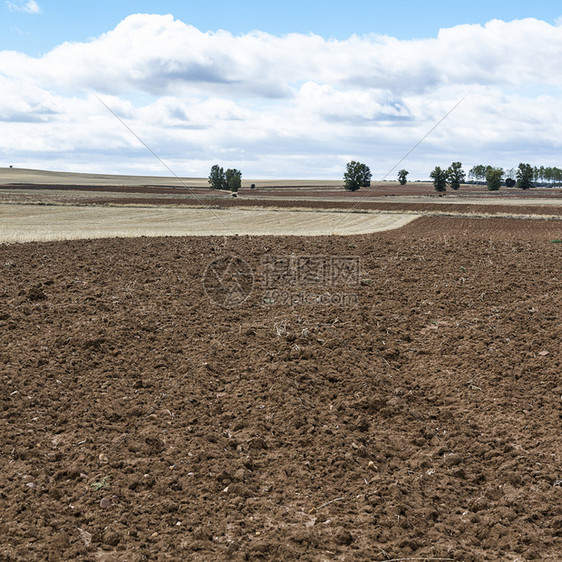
column 358, row 175
column 539, row 175
column 524, row 176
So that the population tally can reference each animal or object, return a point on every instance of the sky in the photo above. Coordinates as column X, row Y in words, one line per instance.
column 279, row 90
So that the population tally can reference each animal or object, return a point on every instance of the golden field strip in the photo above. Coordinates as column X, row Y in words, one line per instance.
column 26, row 223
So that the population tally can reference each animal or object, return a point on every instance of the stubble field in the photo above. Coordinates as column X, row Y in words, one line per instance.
column 141, row 420
column 25, row 223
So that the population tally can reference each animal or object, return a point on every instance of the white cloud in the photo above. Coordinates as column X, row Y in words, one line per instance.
column 297, row 105
column 28, row 6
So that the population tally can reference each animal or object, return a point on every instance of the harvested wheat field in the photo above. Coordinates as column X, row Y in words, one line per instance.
column 25, row 223
column 141, row 420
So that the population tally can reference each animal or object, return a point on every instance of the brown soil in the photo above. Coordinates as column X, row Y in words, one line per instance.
column 377, row 190
column 276, row 198
column 140, row 421
column 441, row 208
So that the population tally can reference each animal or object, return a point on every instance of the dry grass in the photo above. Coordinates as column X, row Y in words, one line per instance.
column 25, row 223
column 43, row 177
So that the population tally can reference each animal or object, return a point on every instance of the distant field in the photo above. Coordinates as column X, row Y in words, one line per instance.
column 42, row 180
column 41, row 205
column 42, row 177
column 88, row 195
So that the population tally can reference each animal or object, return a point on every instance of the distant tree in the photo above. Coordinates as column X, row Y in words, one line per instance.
column 547, row 174
column 482, row 172
column 524, row 176
column 456, row 175
column 439, row 178
column 233, row 180
column 510, row 176
column 536, row 174
column 217, row 178
column 552, row 175
column 494, row 178
column 478, row 172
column 402, row 176
column 357, row 175
column 542, row 176
column 555, row 176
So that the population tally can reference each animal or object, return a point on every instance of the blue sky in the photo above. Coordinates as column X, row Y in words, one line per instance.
column 266, row 96
column 71, row 20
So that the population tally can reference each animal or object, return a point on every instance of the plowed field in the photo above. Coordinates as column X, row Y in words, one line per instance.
column 141, row 421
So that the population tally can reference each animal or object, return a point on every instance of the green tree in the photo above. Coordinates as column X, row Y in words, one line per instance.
column 456, row 175
column 217, row 178
column 548, row 174
column 357, row 175
column 510, row 176
column 439, row 178
column 233, row 180
column 536, row 174
column 524, row 176
column 402, row 176
column 494, row 178
column 540, row 175
column 510, row 182
column 557, row 175
column 478, row 172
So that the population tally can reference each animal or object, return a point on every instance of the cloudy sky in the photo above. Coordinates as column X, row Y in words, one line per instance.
column 289, row 91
